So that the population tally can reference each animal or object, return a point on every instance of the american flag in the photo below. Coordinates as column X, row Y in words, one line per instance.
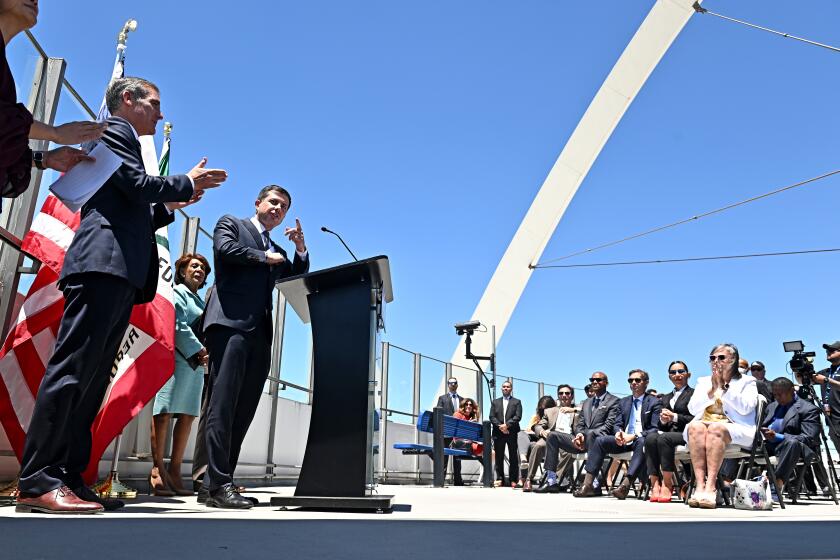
column 145, row 359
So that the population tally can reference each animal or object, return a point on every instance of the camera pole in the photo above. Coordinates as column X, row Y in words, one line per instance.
column 833, row 481
column 491, row 383
column 493, row 360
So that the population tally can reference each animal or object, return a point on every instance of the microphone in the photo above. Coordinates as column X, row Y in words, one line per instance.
column 327, row 230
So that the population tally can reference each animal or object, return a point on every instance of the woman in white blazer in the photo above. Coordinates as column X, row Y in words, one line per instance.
column 723, row 405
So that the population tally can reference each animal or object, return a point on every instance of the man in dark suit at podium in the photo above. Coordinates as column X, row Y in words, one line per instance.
column 111, row 264
column 238, row 327
column 450, row 402
column 505, row 414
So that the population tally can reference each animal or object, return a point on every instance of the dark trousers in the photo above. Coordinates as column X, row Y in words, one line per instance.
column 787, row 452
column 500, row 442
column 456, row 464
column 834, row 429
column 607, row 444
column 660, row 450
column 239, row 363
column 97, row 308
column 199, row 464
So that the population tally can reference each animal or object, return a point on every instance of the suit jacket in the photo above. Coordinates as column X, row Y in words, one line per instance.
column 764, row 389
column 598, row 422
column 549, row 421
column 680, row 407
column 116, row 234
column 241, row 296
column 511, row 418
column 801, row 422
column 650, row 409
column 445, row 402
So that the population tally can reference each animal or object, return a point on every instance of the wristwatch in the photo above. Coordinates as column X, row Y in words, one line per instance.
column 38, row 160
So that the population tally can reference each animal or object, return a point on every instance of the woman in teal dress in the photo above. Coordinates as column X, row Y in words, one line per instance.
column 181, row 395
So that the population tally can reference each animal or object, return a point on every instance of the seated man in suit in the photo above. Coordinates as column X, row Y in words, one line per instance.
column 597, row 417
column 560, row 418
column 639, row 416
column 111, row 265
column 791, row 427
column 450, row 402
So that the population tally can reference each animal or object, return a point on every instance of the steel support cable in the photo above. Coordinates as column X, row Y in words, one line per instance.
column 686, row 220
column 700, row 10
column 690, row 259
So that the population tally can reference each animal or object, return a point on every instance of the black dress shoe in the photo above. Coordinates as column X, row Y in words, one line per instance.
column 547, row 489
column 203, row 493
column 88, row 495
column 227, row 497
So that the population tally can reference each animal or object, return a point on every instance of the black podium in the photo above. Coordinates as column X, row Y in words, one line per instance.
column 344, row 305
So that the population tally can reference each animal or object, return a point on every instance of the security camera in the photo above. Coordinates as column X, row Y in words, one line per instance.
column 467, row 328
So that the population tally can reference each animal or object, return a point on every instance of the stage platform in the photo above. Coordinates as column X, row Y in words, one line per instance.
column 426, row 523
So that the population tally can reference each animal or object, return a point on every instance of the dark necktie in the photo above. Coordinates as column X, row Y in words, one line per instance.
column 266, row 240
column 596, row 402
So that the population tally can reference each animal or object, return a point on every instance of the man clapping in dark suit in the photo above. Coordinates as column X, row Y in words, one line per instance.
column 639, row 416
column 111, row 264
column 505, row 414
column 597, row 417
column 238, row 327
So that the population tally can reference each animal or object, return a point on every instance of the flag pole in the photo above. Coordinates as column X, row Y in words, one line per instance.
column 112, row 486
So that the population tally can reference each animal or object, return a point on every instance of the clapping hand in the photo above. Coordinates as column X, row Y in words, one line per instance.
column 295, row 235
column 64, row 159
column 204, row 178
column 78, row 132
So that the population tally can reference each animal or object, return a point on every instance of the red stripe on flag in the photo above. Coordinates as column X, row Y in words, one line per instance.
column 9, row 421
column 31, row 365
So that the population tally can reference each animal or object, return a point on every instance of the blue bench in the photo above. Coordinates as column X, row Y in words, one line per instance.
column 442, row 427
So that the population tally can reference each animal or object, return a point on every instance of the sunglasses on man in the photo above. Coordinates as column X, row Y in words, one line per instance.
column 597, row 380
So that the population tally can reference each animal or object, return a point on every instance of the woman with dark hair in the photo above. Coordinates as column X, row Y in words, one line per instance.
column 723, row 405
column 660, row 447
column 528, row 441
column 468, row 410
column 181, row 395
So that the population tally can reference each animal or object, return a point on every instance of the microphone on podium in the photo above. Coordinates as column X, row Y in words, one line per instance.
column 327, row 230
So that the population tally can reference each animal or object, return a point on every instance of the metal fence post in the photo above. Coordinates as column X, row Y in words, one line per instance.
column 189, row 235
column 540, row 390
column 415, row 408
column 18, row 212
column 383, row 406
column 274, row 368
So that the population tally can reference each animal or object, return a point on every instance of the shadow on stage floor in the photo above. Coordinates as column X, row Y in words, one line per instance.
column 210, row 539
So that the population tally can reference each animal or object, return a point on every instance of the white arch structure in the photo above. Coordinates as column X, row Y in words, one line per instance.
column 647, row 47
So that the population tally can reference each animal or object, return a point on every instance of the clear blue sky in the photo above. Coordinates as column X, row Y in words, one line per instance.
column 423, row 130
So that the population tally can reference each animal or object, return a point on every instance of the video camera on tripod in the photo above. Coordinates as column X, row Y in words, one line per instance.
column 801, row 363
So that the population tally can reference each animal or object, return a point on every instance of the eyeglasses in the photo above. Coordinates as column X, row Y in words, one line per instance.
column 677, row 371
column 562, row 393
column 453, row 382
column 597, row 380
column 756, row 368
column 719, row 357
column 635, row 380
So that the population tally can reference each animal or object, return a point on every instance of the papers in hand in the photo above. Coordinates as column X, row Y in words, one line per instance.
column 78, row 185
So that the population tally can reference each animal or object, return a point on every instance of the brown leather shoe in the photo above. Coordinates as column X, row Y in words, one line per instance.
column 585, row 491
column 622, row 491
column 61, row 500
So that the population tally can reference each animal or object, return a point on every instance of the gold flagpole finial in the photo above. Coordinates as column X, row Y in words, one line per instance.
column 167, row 129
column 130, row 25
